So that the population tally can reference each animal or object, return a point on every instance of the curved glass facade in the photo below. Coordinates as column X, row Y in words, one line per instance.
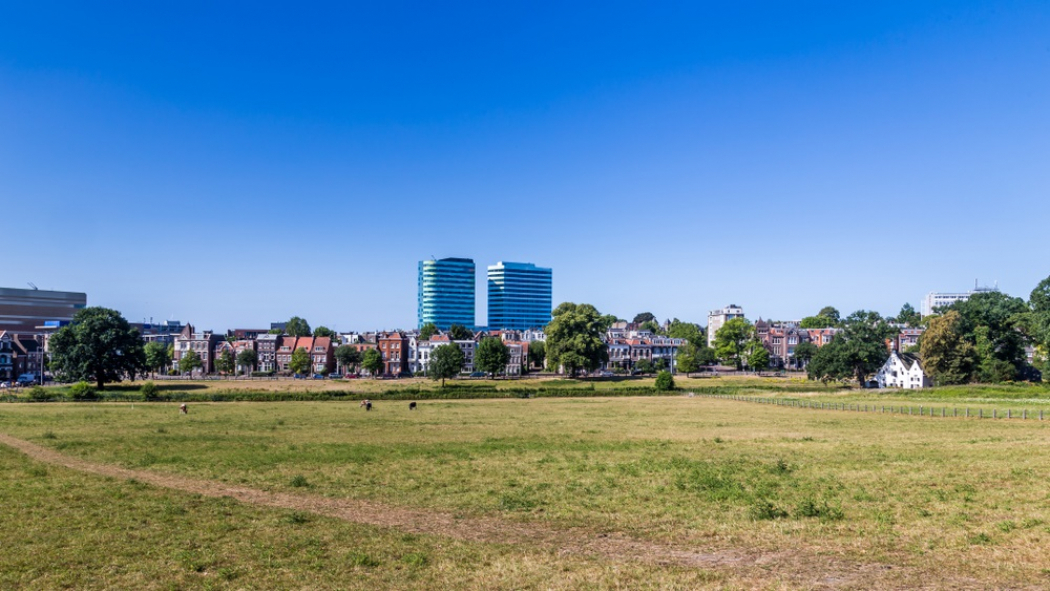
column 519, row 296
column 446, row 292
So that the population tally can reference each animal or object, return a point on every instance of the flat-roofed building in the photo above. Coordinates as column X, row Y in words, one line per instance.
column 24, row 310
column 519, row 296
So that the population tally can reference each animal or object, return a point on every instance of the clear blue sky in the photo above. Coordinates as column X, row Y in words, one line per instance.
column 234, row 165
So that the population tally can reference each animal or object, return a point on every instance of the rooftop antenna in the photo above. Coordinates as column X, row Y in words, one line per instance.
column 30, row 284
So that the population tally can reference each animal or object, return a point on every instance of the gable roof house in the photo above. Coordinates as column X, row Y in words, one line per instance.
column 902, row 370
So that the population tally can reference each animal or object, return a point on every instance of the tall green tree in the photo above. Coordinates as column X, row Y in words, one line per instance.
column 804, row 352
column 831, row 313
column 537, row 353
column 98, row 345
column 348, row 356
column 458, row 332
column 427, row 330
column 908, row 316
column 947, row 357
column 491, row 356
column 574, row 338
column 300, row 362
column 732, row 339
column 372, row 360
column 993, row 322
column 248, row 359
column 226, row 363
column 644, row 366
column 158, row 356
column 858, row 351
column 324, row 331
column 686, row 330
column 758, row 357
column 190, row 361
column 297, row 327
column 644, row 317
column 446, row 361
column 686, row 360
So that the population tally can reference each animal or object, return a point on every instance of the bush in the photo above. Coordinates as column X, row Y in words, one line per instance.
column 82, row 391
column 149, row 391
column 38, row 394
column 664, row 381
column 173, row 372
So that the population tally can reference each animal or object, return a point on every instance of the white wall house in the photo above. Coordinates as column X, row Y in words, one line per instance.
column 902, row 370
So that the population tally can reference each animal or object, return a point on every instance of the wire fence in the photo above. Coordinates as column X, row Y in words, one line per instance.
column 908, row 410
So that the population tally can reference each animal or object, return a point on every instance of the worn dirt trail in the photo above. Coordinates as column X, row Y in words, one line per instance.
column 793, row 567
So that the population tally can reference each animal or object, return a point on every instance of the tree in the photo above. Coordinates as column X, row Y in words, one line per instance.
column 226, row 363
column 458, row 332
column 1039, row 299
column 248, row 359
column 300, row 362
column 537, row 353
column 190, row 361
column 731, row 340
column 297, row 327
column 993, row 323
column 347, row 356
column 491, row 356
column 574, row 338
column 804, row 352
column 644, row 317
column 692, row 333
column 706, row 355
column 651, row 326
column 947, row 357
column 446, row 362
column 830, row 312
column 158, row 356
column 908, row 316
column 276, row 331
column 427, row 330
column 98, row 345
column 858, row 351
column 758, row 358
column 324, row 331
column 372, row 360
column 687, row 358
column 643, row 366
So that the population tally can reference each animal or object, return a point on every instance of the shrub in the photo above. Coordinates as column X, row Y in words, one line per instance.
column 664, row 381
column 173, row 372
column 82, row 391
column 299, row 481
column 38, row 394
column 761, row 510
column 149, row 391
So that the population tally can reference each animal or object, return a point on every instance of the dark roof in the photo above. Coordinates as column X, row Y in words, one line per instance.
column 908, row 359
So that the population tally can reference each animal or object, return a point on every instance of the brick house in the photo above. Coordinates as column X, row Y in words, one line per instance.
column 322, row 355
column 203, row 343
column 395, row 350
column 266, row 349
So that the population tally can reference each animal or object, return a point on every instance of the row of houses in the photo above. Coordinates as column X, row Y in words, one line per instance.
column 782, row 338
column 19, row 354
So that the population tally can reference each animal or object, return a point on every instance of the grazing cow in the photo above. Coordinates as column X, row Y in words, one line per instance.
column 411, row 406
column 183, row 409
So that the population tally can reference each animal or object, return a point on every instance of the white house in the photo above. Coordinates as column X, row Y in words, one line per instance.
column 902, row 370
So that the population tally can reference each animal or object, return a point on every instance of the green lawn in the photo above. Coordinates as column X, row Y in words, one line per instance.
column 931, row 498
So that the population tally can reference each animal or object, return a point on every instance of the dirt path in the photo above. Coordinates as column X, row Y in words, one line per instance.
column 794, row 567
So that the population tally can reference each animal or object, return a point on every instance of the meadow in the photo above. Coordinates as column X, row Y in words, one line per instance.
column 783, row 497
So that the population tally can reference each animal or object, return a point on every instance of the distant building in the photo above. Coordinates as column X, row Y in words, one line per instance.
column 394, row 348
column 24, row 310
column 902, row 370
column 935, row 300
column 446, row 292
column 266, row 349
column 519, row 296
column 717, row 318
column 203, row 343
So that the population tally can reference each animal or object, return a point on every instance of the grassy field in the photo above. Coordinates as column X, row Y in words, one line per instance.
column 956, row 501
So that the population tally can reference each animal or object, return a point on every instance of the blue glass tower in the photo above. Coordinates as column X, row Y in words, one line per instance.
column 519, row 296
column 446, row 292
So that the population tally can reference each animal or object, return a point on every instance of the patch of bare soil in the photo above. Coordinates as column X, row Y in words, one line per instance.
column 794, row 568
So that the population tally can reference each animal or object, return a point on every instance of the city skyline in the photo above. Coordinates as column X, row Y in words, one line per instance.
column 670, row 159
